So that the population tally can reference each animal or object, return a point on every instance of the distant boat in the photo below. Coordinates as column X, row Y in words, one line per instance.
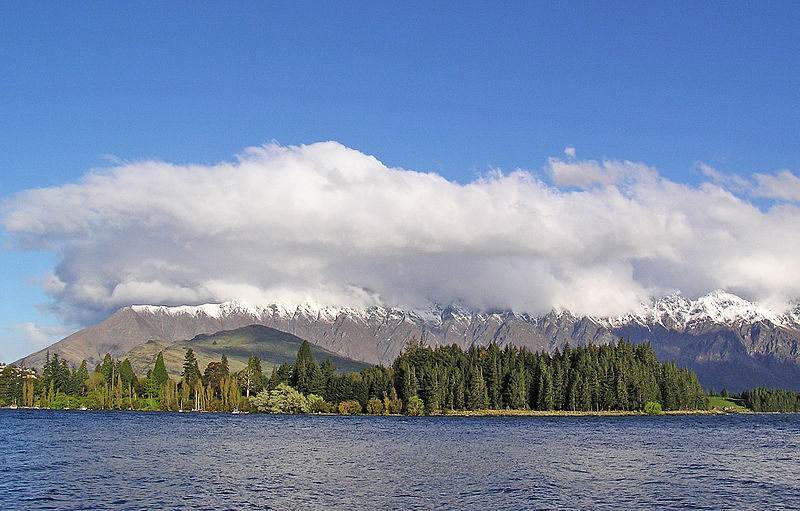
column 83, row 408
column 13, row 407
column 236, row 411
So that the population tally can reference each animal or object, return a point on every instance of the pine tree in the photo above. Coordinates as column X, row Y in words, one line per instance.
column 305, row 369
column 107, row 369
column 159, row 374
column 126, row 372
column 517, row 394
column 478, row 398
column 191, row 373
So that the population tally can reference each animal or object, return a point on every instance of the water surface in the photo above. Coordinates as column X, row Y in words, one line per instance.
column 140, row 460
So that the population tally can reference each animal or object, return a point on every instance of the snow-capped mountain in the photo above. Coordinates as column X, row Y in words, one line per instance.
column 679, row 313
column 727, row 340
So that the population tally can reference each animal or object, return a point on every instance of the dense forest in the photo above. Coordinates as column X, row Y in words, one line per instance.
column 771, row 400
column 591, row 378
column 422, row 380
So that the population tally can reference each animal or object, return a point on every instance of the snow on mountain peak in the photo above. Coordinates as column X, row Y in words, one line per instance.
column 677, row 312
column 674, row 312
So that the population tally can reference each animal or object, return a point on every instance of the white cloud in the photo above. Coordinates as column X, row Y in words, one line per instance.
column 783, row 186
column 733, row 182
column 329, row 224
column 590, row 173
column 24, row 338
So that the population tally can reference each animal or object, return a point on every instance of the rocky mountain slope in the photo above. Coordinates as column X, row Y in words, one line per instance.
column 729, row 342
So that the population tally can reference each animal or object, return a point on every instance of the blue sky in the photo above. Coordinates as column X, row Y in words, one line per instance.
column 457, row 90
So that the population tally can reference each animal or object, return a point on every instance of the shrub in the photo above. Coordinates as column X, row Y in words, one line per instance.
column 316, row 404
column 282, row 399
column 375, row 406
column 652, row 408
column 349, row 407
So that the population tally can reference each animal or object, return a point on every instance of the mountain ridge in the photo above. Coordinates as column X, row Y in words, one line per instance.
column 727, row 340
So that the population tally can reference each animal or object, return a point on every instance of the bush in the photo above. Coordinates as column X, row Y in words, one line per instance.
column 375, row 406
column 318, row 405
column 349, row 407
column 282, row 399
column 652, row 408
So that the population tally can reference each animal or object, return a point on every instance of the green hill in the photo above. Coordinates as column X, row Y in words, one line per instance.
column 274, row 347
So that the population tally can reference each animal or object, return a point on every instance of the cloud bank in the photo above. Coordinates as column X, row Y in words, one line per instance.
column 330, row 225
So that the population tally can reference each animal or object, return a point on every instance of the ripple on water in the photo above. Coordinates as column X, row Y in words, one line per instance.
column 61, row 460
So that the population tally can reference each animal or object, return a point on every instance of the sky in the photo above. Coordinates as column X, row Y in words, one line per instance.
column 515, row 156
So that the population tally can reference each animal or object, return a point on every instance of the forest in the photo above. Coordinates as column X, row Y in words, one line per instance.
column 421, row 381
column 771, row 400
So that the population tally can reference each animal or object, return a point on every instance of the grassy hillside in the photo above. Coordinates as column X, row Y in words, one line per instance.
column 272, row 346
column 726, row 403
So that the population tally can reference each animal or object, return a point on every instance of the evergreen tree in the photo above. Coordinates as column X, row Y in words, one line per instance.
column 191, row 373
column 517, row 390
column 478, row 398
column 126, row 372
column 79, row 378
column 545, row 398
column 159, row 374
column 107, row 369
column 305, row 370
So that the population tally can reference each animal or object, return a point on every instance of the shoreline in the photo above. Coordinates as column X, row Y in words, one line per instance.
column 462, row 413
column 574, row 413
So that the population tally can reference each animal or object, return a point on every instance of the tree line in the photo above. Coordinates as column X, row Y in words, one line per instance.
column 771, row 400
column 422, row 380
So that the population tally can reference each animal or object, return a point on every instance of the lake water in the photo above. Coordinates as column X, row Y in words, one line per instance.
column 139, row 460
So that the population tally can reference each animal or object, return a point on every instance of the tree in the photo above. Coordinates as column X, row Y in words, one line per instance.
column 169, row 396
column 213, row 375
column 159, row 374
column 279, row 375
column 12, row 386
column 250, row 377
column 415, row 406
column 517, row 397
column 191, row 373
column 478, row 397
column 126, row 372
column 305, row 370
column 395, row 404
column 108, row 370
column 80, row 377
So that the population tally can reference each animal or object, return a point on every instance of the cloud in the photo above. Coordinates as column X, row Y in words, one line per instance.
column 783, row 186
column 590, row 173
column 328, row 224
column 733, row 182
column 28, row 337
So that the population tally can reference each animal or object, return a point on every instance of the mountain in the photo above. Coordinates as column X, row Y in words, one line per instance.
column 272, row 346
column 729, row 342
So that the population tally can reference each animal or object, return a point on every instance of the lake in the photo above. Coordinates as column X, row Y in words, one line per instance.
column 140, row 460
